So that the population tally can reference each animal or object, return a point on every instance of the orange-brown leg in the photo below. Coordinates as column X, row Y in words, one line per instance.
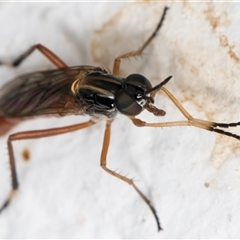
column 45, row 51
column 138, row 52
column 32, row 135
column 207, row 125
column 103, row 163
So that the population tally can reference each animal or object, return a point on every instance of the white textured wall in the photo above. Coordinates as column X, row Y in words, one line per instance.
column 191, row 175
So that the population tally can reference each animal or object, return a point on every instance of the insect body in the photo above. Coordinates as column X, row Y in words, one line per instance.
column 81, row 90
column 92, row 91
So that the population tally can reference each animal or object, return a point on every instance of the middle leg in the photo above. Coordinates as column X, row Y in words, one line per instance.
column 139, row 51
column 103, row 163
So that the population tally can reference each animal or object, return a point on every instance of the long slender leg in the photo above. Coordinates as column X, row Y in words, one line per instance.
column 139, row 51
column 45, row 51
column 32, row 135
column 207, row 125
column 103, row 163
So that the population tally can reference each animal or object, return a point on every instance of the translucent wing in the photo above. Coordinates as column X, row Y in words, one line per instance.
column 46, row 92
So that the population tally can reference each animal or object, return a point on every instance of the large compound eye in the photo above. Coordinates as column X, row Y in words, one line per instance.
column 126, row 104
column 139, row 81
column 129, row 100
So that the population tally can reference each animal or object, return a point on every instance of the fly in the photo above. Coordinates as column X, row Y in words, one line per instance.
column 92, row 91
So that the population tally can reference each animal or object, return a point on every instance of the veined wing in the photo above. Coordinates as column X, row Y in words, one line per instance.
column 45, row 92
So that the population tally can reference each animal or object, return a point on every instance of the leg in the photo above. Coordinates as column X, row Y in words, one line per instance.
column 207, row 125
column 103, row 163
column 140, row 50
column 45, row 51
column 32, row 135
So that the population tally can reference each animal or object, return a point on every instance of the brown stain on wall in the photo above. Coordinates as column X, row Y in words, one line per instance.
column 100, row 32
column 25, row 154
column 224, row 43
column 220, row 21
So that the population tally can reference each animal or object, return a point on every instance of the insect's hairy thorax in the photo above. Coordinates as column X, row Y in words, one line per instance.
column 96, row 92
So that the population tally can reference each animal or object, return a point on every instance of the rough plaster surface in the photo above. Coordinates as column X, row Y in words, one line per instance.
column 191, row 175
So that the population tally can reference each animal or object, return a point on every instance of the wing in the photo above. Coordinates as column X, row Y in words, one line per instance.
column 39, row 93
